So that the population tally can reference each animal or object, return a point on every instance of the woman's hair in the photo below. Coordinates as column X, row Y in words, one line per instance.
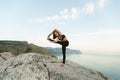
column 54, row 36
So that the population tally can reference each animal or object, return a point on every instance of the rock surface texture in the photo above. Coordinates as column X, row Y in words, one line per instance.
column 5, row 56
column 33, row 66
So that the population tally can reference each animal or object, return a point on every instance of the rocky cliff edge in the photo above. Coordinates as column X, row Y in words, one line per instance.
column 33, row 66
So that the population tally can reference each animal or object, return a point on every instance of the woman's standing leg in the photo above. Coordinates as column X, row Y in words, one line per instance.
column 64, row 53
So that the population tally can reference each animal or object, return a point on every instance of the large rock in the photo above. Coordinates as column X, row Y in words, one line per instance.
column 5, row 56
column 34, row 66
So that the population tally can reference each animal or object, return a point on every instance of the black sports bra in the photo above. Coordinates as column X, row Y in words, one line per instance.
column 62, row 37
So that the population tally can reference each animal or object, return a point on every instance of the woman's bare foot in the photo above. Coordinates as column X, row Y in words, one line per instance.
column 62, row 65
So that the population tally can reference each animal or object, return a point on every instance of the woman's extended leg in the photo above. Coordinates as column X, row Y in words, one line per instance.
column 64, row 53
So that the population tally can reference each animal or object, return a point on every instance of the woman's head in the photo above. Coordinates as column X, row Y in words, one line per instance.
column 55, row 34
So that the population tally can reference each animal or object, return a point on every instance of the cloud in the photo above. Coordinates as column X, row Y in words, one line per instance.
column 73, row 13
column 101, row 4
column 63, row 15
column 64, row 12
column 98, row 33
column 107, row 32
column 89, row 8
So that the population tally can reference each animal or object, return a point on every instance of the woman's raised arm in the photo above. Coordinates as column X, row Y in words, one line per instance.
column 58, row 31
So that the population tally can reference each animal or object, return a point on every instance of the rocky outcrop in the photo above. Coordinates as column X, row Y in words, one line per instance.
column 33, row 66
column 18, row 47
column 15, row 47
column 5, row 56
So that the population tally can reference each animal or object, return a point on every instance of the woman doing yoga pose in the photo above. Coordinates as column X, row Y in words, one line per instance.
column 61, row 39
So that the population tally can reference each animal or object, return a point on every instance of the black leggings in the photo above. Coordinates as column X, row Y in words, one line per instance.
column 64, row 45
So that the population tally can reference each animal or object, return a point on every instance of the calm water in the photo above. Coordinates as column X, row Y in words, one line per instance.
column 107, row 64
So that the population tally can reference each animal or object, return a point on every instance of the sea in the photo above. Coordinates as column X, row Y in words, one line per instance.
column 106, row 64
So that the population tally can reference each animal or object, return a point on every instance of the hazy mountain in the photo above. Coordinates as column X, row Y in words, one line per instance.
column 58, row 51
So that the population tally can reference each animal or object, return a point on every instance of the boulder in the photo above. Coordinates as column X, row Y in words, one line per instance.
column 5, row 56
column 33, row 66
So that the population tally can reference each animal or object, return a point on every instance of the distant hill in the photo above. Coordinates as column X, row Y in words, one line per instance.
column 19, row 47
column 58, row 51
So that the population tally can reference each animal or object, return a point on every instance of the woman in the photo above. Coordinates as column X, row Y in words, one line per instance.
column 61, row 39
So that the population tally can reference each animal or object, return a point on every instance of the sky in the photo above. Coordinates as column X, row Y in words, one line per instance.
column 92, row 26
